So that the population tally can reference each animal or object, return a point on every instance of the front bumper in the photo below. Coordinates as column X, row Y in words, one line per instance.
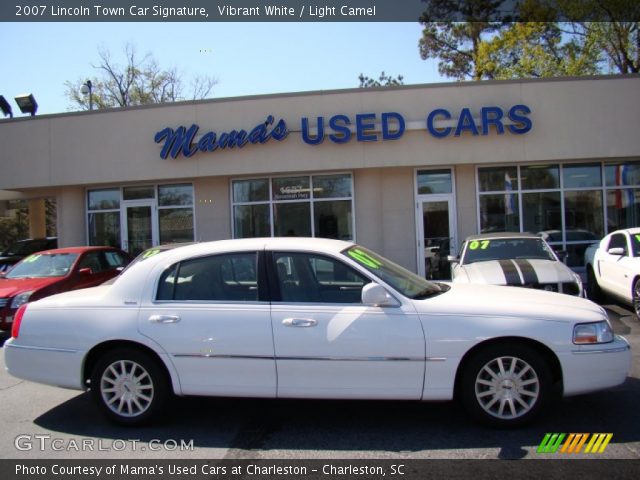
column 596, row 367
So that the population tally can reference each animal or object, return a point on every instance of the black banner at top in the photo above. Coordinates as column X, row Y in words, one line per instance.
column 317, row 11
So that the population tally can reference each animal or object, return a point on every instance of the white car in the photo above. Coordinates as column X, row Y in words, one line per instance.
column 311, row 318
column 613, row 267
column 515, row 259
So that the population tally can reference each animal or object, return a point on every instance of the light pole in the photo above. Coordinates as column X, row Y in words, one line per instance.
column 87, row 88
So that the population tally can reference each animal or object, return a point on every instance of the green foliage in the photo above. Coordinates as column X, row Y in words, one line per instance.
column 474, row 45
column 140, row 81
column 383, row 80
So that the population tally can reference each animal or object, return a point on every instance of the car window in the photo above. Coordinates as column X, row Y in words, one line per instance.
column 43, row 265
column 618, row 240
column 635, row 245
column 305, row 277
column 92, row 260
column 114, row 259
column 483, row 250
column 229, row 277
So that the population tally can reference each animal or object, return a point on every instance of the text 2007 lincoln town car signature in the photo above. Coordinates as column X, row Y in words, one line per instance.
column 312, row 318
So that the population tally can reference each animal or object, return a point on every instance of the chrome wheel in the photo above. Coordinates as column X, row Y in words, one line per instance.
column 507, row 387
column 126, row 388
column 636, row 297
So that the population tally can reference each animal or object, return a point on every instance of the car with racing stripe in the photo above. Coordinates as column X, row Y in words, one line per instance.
column 514, row 259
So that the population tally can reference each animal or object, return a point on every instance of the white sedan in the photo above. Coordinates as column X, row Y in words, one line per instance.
column 311, row 318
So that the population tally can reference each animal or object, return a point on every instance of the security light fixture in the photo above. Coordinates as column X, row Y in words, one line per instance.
column 27, row 103
column 87, row 89
column 6, row 108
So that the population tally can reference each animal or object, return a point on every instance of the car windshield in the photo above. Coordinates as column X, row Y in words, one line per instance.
column 483, row 250
column 407, row 283
column 635, row 244
column 43, row 265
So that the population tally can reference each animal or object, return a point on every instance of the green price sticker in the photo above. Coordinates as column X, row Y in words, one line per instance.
column 32, row 258
column 364, row 258
column 481, row 244
column 150, row 253
column 638, row 238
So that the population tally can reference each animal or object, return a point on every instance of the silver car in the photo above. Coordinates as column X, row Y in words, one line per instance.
column 515, row 259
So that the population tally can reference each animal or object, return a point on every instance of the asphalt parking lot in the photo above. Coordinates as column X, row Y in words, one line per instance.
column 41, row 422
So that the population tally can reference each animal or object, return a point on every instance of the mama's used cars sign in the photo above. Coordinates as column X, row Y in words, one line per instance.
column 365, row 127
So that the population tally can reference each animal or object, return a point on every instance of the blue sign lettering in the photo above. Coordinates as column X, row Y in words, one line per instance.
column 181, row 140
column 341, row 128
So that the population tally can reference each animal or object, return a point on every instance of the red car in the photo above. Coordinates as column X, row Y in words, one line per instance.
column 54, row 271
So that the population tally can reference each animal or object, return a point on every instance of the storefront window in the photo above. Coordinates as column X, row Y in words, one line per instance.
column 251, row 221
column 538, row 177
column 581, row 176
column 105, row 199
column 251, row 190
column 302, row 205
column 434, row 182
column 104, row 228
column 498, row 179
column 175, row 225
column 499, row 213
column 138, row 193
column 542, row 212
column 175, row 195
column 590, row 201
column 292, row 219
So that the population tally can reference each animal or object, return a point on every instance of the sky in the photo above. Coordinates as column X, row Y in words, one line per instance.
column 245, row 58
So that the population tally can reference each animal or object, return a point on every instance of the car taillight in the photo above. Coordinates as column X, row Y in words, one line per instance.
column 17, row 320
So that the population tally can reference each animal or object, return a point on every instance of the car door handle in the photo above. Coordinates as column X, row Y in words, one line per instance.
column 164, row 318
column 299, row 322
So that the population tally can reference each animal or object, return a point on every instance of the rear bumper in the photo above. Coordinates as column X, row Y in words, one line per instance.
column 57, row 367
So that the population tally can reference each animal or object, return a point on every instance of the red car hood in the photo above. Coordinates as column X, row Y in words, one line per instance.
column 12, row 286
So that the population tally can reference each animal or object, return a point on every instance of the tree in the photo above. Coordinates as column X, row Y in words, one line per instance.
column 140, row 81
column 383, row 81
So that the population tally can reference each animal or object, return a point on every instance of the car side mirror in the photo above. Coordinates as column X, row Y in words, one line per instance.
column 616, row 251
column 85, row 271
column 376, row 295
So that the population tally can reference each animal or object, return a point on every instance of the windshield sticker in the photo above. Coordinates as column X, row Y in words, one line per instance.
column 481, row 244
column 637, row 238
column 150, row 253
column 32, row 258
column 364, row 258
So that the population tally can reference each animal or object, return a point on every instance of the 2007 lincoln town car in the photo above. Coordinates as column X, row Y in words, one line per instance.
column 312, row 318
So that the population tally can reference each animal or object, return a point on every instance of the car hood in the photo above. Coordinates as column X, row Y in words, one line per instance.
column 496, row 302
column 513, row 272
column 12, row 286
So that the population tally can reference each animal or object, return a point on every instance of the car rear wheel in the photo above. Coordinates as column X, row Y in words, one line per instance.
column 506, row 385
column 129, row 386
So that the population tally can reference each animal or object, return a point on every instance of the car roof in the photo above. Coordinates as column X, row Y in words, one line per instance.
column 496, row 235
column 77, row 250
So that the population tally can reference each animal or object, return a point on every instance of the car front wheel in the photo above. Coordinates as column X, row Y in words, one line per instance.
column 636, row 297
column 129, row 386
column 505, row 386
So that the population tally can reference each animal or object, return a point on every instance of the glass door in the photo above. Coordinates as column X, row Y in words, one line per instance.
column 437, row 237
column 139, row 229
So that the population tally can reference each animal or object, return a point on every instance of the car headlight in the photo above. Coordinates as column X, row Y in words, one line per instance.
column 21, row 299
column 592, row 333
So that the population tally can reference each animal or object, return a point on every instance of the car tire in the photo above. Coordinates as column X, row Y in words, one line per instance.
column 129, row 386
column 635, row 297
column 506, row 386
column 593, row 289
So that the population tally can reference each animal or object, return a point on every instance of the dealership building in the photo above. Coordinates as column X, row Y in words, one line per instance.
column 407, row 171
